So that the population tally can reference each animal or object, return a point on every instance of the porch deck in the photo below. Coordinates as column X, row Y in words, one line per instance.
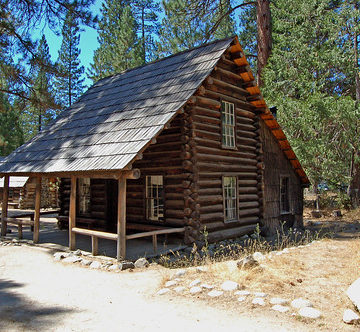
column 52, row 237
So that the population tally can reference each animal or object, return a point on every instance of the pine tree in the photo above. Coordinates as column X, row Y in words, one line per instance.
column 118, row 41
column 305, row 80
column 224, row 20
column 42, row 108
column 69, row 83
column 147, row 21
column 180, row 29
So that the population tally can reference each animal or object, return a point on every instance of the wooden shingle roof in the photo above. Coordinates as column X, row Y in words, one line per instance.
column 117, row 117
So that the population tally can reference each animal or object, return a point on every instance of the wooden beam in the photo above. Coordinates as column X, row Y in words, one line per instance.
column 4, row 211
column 94, row 245
column 37, row 210
column 72, row 213
column 121, row 220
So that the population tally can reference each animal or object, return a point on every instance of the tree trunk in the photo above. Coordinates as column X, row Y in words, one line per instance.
column 264, row 40
column 354, row 186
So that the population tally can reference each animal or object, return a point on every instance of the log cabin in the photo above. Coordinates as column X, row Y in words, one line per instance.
column 180, row 145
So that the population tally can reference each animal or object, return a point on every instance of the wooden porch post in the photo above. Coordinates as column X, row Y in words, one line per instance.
column 72, row 213
column 121, row 219
column 37, row 210
column 4, row 211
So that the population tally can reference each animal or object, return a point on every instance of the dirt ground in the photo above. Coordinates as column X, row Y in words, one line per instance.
column 38, row 293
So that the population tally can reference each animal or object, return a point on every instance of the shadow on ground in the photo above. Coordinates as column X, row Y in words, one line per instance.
column 20, row 313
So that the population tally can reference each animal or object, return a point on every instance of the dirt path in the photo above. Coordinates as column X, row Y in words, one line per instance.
column 40, row 294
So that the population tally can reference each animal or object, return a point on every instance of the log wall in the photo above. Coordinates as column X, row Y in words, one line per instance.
column 49, row 194
column 210, row 161
column 277, row 165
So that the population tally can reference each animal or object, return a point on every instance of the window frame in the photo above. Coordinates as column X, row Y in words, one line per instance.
column 223, row 125
column 80, row 197
column 281, row 201
column 236, row 208
column 148, row 217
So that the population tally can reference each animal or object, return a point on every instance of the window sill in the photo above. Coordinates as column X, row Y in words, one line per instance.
column 224, row 147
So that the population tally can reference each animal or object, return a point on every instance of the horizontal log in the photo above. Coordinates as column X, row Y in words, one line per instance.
column 211, row 128
column 207, row 119
column 210, row 183
column 244, row 183
column 248, row 212
column 207, row 166
column 174, row 214
column 211, row 208
column 245, row 113
column 247, row 205
column 248, row 197
column 199, row 141
column 218, row 225
column 242, row 175
column 225, row 91
column 224, row 152
column 210, row 199
column 206, row 112
column 228, row 73
column 246, row 140
column 214, row 136
column 19, row 221
column 102, row 235
column 230, row 233
column 238, row 102
column 228, row 159
column 174, row 222
column 246, row 133
column 157, row 232
column 210, row 191
column 230, row 86
column 207, row 217
column 248, row 190
column 199, row 100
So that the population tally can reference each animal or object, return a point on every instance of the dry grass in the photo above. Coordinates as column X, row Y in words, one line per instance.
column 320, row 272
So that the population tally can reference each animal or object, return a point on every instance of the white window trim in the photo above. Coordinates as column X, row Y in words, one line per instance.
column 150, row 215
column 236, row 218
column 228, row 112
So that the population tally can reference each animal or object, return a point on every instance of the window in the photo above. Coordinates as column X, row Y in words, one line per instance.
column 154, row 198
column 284, row 195
column 84, row 196
column 230, row 198
column 228, row 125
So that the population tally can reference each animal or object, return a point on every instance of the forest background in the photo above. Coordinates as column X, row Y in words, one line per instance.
column 305, row 54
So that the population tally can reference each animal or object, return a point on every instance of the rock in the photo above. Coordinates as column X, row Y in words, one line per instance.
column 77, row 252
column 353, row 292
column 179, row 289
column 195, row 290
column 309, row 312
column 170, row 283
column 258, row 256
column 215, row 293
column 336, row 213
column 280, row 308
column 201, row 269
column 59, row 255
column 126, row 265
column 163, row 291
column 241, row 298
column 351, row 317
column 195, row 282
column 95, row 265
column 260, row 294
column 300, row 303
column 278, row 300
column 247, row 262
column 229, row 285
column 114, row 267
column 72, row 259
column 179, row 273
column 258, row 301
column 141, row 263
column 85, row 262
column 242, row 293
column 206, row 286
column 316, row 214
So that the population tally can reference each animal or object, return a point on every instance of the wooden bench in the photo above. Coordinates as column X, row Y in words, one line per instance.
column 153, row 231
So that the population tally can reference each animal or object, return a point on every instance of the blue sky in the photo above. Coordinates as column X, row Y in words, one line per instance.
column 88, row 42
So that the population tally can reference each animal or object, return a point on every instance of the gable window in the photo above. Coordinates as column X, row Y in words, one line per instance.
column 84, row 195
column 154, row 198
column 228, row 124
column 284, row 195
column 230, row 198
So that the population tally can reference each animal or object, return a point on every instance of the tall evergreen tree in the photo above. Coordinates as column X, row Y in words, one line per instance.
column 118, row 40
column 69, row 83
column 43, row 107
column 146, row 13
column 224, row 21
